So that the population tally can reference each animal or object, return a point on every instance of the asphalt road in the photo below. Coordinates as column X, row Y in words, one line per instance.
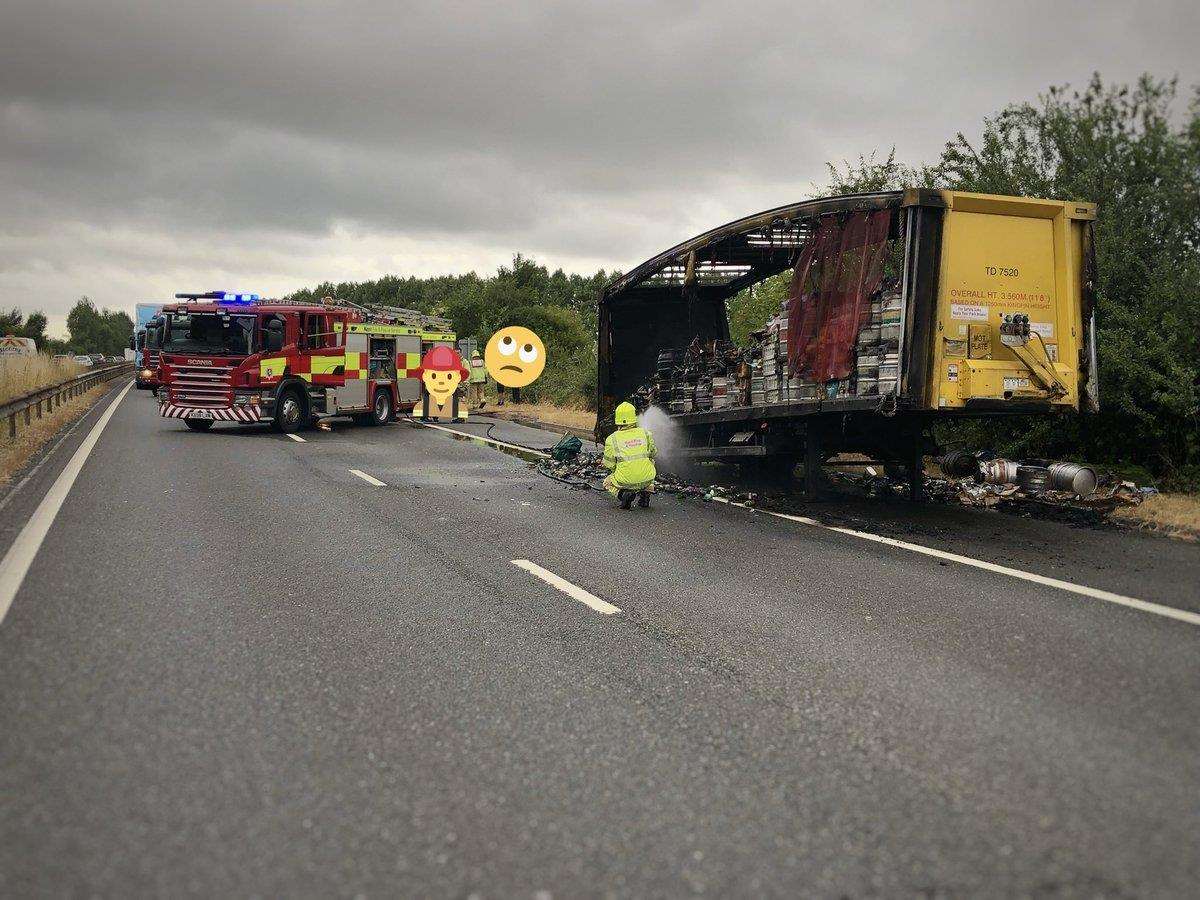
column 237, row 667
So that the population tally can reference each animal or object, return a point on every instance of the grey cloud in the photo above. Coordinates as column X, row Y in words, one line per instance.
column 584, row 133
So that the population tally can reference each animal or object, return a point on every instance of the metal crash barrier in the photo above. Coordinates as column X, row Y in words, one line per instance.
column 42, row 402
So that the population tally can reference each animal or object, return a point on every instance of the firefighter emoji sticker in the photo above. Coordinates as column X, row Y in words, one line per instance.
column 442, row 371
column 515, row 356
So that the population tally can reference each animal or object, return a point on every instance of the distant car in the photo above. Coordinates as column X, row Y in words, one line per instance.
column 83, row 360
column 97, row 358
column 63, row 356
column 115, row 359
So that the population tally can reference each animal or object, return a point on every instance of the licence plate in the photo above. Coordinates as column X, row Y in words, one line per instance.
column 1016, row 384
column 199, row 414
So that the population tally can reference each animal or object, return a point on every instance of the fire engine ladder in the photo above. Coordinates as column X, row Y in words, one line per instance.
column 399, row 315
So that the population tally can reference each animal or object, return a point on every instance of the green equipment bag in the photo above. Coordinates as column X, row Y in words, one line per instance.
column 567, row 448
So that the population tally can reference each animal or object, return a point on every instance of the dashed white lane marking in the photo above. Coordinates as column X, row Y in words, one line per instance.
column 571, row 590
column 24, row 549
column 367, row 478
column 297, row 438
column 1081, row 590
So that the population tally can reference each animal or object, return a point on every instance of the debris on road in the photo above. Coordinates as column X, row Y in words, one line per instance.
column 1010, row 485
column 1034, row 493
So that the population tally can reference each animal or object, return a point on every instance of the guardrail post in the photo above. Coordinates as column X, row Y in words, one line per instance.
column 12, row 427
column 27, row 417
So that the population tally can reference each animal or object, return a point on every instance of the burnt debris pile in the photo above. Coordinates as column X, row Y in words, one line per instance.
column 1048, row 490
column 717, row 374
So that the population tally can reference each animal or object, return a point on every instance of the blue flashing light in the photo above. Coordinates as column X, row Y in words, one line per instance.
column 229, row 297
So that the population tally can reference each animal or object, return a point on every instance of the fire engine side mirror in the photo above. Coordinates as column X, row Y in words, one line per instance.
column 273, row 336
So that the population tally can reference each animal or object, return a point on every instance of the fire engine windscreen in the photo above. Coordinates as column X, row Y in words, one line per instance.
column 209, row 333
column 838, row 269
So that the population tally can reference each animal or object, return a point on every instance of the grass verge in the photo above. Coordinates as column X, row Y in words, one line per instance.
column 21, row 375
column 16, row 454
column 1175, row 515
column 549, row 413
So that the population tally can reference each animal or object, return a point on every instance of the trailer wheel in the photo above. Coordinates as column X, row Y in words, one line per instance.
column 381, row 411
column 289, row 411
column 198, row 424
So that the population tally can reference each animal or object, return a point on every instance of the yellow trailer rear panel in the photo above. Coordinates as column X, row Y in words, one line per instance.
column 1004, row 259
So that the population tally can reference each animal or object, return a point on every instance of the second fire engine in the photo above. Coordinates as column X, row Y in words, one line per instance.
column 236, row 358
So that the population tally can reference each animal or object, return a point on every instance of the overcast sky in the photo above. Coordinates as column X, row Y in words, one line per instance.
column 150, row 147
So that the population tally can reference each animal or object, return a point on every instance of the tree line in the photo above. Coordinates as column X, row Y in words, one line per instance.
column 90, row 330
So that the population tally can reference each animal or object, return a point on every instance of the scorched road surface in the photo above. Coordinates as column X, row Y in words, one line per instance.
column 244, row 664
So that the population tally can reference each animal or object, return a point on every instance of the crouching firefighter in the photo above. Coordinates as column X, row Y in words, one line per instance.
column 629, row 452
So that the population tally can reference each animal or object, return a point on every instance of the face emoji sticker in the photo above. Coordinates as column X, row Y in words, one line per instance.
column 441, row 385
column 441, row 372
column 515, row 356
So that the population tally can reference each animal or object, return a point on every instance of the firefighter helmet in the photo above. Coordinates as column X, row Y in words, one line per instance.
column 442, row 359
column 625, row 414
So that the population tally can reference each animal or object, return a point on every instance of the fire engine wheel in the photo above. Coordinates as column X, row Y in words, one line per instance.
column 289, row 411
column 381, row 411
column 198, row 424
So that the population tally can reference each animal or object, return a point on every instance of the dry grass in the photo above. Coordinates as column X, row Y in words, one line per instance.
column 1176, row 515
column 15, row 454
column 21, row 374
column 549, row 413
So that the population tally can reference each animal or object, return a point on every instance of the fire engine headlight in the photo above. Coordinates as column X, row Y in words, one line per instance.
column 241, row 400
column 146, row 373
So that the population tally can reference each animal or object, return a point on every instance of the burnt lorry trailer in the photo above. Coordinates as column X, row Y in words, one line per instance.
column 904, row 308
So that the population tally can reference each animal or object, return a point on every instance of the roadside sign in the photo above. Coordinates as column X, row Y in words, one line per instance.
column 11, row 345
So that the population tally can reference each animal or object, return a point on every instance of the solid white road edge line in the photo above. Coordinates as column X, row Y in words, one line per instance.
column 479, row 437
column 297, row 438
column 24, row 549
column 49, row 454
column 571, row 590
column 1157, row 609
column 1083, row 590
column 367, row 478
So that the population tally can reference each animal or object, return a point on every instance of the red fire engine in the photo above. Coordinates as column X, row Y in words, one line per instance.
column 235, row 358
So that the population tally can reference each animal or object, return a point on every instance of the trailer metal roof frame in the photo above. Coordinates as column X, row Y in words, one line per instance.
column 754, row 244
column 680, row 293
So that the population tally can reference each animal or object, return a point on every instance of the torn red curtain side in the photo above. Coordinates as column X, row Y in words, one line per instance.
column 829, row 301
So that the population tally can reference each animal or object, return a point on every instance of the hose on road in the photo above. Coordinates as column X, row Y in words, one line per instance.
column 577, row 485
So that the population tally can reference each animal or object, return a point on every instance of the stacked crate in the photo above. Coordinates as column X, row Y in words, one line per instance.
column 878, row 358
column 770, row 362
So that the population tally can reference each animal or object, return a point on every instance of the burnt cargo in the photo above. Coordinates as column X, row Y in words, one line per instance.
column 904, row 307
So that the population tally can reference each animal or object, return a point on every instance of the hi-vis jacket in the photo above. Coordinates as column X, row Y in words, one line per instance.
column 630, row 452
